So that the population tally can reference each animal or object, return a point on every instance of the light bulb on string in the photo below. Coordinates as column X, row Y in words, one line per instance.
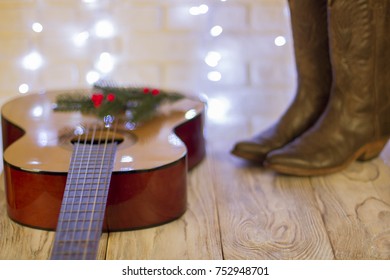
column 37, row 27
column 80, row 39
column 24, row 88
column 104, row 29
column 216, row 30
column 32, row 61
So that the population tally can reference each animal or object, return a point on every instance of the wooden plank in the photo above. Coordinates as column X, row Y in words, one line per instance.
column 355, row 205
column 193, row 236
column 264, row 215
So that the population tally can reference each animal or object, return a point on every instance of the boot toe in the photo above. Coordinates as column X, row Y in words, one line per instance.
column 287, row 163
column 250, row 151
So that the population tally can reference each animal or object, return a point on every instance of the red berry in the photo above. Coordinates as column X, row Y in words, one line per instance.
column 97, row 99
column 110, row 97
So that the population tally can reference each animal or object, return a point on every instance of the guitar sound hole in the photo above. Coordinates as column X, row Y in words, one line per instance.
column 98, row 138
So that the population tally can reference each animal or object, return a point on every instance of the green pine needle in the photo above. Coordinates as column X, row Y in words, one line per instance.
column 136, row 104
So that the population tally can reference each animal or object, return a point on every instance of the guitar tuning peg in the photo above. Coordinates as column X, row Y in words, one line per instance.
column 108, row 120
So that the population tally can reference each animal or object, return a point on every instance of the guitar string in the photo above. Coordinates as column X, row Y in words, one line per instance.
column 70, row 199
column 94, row 189
column 80, row 186
column 60, row 226
column 111, row 146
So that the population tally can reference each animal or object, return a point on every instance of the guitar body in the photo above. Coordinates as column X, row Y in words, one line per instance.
column 149, row 178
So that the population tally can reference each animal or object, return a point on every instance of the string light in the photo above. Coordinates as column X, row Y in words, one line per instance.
column 105, row 63
column 37, row 27
column 199, row 10
column 214, row 76
column 81, row 38
column 218, row 108
column 280, row 41
column 24, row 88
column 104, row 29
column 32, row 61
column 216, row 31
column 92, row 77
column 212, row 59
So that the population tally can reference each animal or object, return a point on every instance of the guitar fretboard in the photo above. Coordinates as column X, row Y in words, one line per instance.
column 83, row 206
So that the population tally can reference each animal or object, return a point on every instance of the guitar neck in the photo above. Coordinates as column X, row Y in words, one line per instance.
column 83, row 206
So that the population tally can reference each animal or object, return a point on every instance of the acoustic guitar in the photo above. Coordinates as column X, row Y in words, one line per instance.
column 80, row 175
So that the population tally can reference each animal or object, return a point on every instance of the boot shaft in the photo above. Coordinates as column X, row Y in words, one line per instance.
column 311, row 44
column 360, row 57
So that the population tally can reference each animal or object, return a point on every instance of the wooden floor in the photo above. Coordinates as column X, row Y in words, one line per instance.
column 241, row 211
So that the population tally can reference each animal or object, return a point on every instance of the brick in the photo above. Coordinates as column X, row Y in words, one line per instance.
column 273, row 69
column 13, row 47
column 16, row 19
column 181, row 76
column 139, row 18
column 269, row 17
column 179, row 18
column 59, row 74
column 232, row 17
column 161, row 47
column 137, row 74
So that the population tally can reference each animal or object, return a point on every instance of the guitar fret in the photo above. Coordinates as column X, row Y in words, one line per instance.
column 78, row 183
column 76, row 249
column 83, row 217
column 84, row 202
column 79, row 227
column 87, row 200
column 74, row 209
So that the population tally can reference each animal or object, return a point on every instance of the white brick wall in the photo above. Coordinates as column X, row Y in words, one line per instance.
column 155, row 42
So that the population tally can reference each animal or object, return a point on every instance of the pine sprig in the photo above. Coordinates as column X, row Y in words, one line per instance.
column 136, row 104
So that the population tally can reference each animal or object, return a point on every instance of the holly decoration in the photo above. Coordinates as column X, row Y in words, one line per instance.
column 136, row 104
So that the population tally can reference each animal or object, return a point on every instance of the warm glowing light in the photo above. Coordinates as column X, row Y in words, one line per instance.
column 37, row 27
column 81, row 38
column 105, row 63
column 199, row 10
column 37, row 111
column 216, row 31
column 212, row 59
column 127, row 159
column 104, row 29
column 174, row 140
column 190, row 114
column 280, row 41
column 214, row 76
column 24, row 88
column 218, row 108
column 43, row 138
column 32, row 61
column 92, row 77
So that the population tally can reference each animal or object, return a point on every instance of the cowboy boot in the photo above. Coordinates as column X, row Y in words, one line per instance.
column 311, row 47
column 356, row 122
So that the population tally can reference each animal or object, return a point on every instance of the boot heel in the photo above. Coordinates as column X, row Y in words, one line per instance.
column 373, row 150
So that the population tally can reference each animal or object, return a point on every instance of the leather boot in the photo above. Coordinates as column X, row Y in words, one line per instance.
column 311, row 47
column 356, row 123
